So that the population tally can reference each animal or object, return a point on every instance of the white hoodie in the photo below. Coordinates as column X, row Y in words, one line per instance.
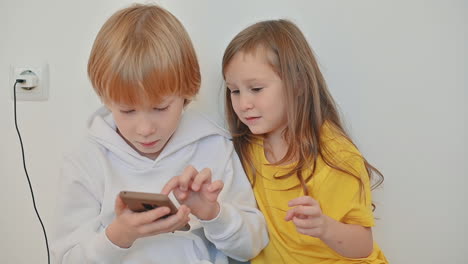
column 105, row 164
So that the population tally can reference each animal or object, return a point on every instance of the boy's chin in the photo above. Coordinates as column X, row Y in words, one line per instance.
column 152, row 155
column 149, row 153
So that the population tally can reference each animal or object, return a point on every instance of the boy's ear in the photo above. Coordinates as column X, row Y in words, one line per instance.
column 105, row 102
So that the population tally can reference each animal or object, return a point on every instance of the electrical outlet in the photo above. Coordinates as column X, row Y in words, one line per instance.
column 36, row 85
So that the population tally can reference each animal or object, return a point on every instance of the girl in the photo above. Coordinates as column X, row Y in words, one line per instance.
column 309, row 179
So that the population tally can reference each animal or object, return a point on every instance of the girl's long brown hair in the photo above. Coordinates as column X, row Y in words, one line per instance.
column 309, row 102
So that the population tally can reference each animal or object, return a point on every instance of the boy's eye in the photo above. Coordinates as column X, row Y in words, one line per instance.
column 161, row 108
column 127, row 111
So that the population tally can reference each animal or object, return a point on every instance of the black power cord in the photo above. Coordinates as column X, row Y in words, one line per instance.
column 25, row 170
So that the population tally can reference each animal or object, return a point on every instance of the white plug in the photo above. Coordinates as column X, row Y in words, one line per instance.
column 30, row 80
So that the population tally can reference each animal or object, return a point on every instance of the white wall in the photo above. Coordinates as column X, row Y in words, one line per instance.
column 397, row 68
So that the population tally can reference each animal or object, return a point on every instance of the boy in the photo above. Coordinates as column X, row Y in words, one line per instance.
column 144, row 69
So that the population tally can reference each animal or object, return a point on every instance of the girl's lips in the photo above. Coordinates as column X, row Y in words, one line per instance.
column 251, row 120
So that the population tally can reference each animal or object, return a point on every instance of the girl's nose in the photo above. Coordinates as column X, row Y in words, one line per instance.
column 245, row 102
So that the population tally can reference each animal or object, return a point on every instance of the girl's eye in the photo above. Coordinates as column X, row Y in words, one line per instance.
column 234, row 91
column 160, row 109
column 127, row 111
column 257, row 89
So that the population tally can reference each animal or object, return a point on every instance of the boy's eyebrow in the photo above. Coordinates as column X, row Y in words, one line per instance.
column 163, row 100
column 123, row 105
column 166, row 100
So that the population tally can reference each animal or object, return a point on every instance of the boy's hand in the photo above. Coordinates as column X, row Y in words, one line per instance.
column 195, row 190
column 129, row 226
column 307, row 216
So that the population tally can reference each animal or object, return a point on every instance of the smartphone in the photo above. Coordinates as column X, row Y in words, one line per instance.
column 140, row 202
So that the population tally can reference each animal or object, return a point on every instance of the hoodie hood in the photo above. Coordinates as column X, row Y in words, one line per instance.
column 193, row 126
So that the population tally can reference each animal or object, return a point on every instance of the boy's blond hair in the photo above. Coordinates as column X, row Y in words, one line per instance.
column 141, row 54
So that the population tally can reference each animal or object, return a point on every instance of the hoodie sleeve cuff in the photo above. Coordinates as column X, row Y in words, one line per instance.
column 223, row 225
column 102, row 250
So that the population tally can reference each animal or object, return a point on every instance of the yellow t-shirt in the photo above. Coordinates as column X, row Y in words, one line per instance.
column 339, row 194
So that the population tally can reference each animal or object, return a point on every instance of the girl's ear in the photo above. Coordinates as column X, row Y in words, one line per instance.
column 301, row 85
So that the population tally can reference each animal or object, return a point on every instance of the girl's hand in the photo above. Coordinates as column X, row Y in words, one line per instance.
column 195, row 190
column 128, row 226
column 307, row 216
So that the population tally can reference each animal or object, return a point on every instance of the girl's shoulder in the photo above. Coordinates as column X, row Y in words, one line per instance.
column 337, row 146
column 335, row 139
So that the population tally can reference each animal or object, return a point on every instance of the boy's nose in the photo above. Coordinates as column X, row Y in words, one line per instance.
column 145, row 127
column 145, row 130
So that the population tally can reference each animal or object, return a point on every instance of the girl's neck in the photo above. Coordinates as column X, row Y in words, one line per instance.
column 275, row 147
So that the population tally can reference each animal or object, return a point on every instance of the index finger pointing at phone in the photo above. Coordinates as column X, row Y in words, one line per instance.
column 170, row 185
